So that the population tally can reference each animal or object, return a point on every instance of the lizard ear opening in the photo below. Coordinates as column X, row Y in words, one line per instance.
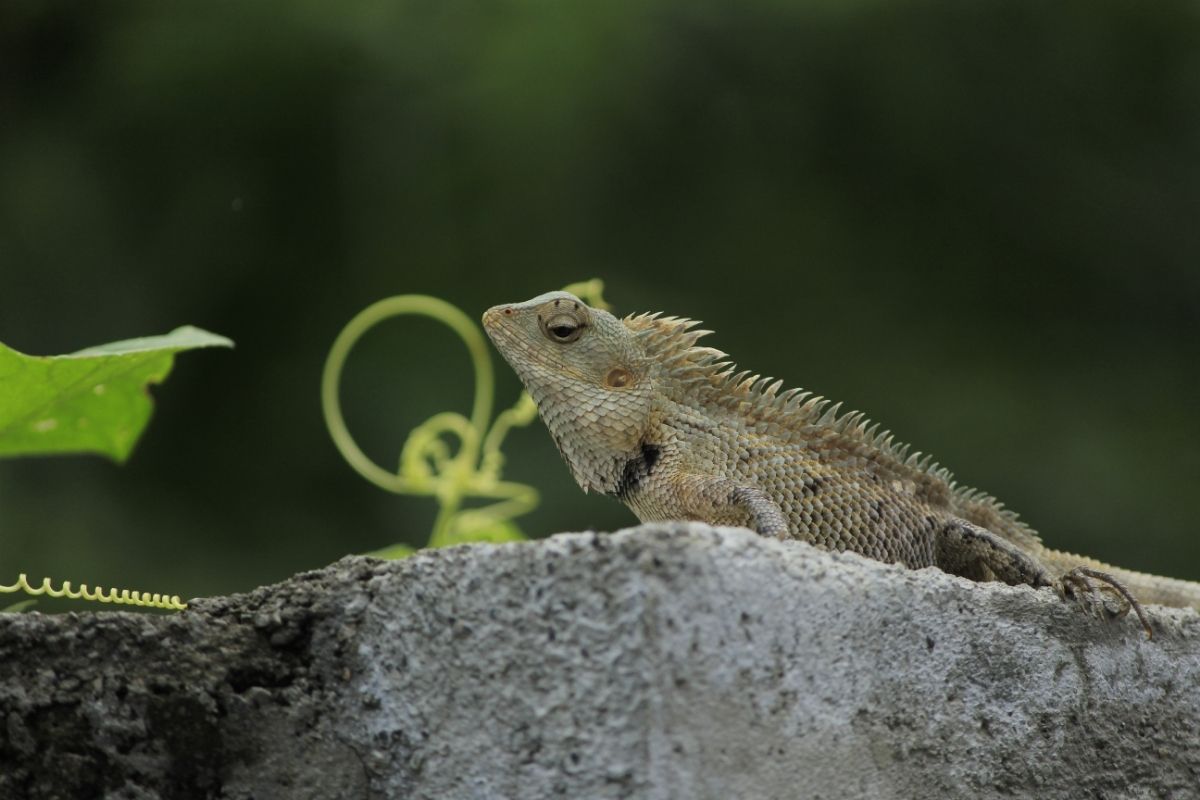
column 618, row 378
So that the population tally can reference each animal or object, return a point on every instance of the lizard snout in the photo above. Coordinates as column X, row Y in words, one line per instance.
column 492, row 316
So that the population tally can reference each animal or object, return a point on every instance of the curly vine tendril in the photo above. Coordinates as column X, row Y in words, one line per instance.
column 98, row 595
column 428, row 465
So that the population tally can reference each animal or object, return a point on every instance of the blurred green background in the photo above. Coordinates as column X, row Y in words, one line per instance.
column 976, row 222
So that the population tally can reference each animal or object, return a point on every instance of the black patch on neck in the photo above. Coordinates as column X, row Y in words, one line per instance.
column 636, row 470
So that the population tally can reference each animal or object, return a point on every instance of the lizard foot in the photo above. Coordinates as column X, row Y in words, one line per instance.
column 1081, row 583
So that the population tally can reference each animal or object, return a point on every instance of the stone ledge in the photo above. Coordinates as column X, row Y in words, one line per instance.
column 665, row 661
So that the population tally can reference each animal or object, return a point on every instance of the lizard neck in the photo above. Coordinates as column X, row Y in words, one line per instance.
column 636, row 470
column 602, row 459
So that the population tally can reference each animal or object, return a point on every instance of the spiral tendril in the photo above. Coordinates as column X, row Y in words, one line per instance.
column 97, row 595
column 429, row 465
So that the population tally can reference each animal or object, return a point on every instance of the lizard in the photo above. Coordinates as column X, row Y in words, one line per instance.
column 642, row 412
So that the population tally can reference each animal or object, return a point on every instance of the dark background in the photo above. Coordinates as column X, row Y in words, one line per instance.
column 978, row 222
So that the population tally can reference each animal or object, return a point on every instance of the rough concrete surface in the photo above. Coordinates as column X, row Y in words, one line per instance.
column 666, row 661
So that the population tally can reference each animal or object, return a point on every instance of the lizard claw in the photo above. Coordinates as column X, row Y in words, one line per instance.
column 1081, row 583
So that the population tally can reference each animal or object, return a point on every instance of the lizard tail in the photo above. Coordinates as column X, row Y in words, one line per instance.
column 1145, row 587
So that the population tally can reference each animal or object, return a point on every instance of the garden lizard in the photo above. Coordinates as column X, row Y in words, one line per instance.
column 642, row 412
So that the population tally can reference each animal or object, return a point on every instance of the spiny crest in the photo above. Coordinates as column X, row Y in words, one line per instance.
column 671, row 342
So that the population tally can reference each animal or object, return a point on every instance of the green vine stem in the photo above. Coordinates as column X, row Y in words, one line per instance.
column 429, row 466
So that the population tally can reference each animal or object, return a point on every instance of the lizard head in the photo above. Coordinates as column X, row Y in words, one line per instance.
column 589, row 376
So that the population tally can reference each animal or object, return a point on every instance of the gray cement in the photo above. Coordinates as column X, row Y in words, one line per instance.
column 666, row 661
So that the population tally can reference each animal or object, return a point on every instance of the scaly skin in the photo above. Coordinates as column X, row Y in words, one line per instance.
column 641, row 412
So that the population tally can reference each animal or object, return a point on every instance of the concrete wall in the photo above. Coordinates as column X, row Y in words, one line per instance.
column 666, row 661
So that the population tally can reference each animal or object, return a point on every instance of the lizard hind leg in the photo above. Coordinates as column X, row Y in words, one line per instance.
column 970, row 551
column 966, row 549
column 1080, row 583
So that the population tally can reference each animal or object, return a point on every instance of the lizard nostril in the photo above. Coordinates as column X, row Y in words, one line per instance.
column 508, row 312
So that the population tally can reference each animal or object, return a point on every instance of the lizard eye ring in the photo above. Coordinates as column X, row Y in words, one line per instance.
column 562, row 328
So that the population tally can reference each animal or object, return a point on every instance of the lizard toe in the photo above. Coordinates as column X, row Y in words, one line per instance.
column 1092, row 588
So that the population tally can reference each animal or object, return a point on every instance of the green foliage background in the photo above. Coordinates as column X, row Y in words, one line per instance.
column 977, row 222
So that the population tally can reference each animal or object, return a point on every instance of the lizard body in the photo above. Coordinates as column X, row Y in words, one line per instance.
column 642, row 412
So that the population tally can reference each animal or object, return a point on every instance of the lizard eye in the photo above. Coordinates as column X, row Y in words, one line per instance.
column 562, row 328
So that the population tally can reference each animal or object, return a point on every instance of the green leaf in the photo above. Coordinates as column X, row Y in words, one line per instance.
column 479, row 528
column 494, row 531
column 393, row 552
column 18, row 607
column 93, row 401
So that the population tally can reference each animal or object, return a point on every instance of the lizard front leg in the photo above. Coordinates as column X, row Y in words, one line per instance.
column 721, row 501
